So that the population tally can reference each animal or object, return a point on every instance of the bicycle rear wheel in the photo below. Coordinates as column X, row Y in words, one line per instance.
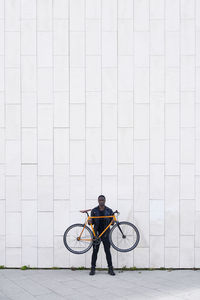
column 73, row 243
column 124, row 236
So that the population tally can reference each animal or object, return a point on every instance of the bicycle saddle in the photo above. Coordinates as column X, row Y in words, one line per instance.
column 84, row 211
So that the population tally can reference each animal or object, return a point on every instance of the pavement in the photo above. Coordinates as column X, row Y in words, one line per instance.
column 70, row 284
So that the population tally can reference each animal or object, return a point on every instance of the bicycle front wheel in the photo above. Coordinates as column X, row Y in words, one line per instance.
column 76, row 244
column 124, row 236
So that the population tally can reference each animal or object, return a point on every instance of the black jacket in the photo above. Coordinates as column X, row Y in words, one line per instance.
column 95, row 221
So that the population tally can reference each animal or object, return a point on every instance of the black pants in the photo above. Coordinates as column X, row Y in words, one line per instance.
column 106, row 244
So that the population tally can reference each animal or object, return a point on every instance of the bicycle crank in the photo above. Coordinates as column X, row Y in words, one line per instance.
column 96, row 241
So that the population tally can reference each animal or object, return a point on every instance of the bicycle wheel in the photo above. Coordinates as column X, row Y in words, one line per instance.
column 124, row 236
column 75, row 245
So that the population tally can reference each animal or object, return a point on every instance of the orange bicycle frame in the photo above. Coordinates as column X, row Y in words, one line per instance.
column 88, row 218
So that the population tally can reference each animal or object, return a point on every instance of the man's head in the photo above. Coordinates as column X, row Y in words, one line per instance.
column 101, row 200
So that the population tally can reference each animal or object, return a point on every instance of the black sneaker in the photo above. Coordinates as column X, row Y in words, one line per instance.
column 111, row 271
column 92, row 271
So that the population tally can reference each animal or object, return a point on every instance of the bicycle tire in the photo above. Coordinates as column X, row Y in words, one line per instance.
column 67, row 231
column 115, row 227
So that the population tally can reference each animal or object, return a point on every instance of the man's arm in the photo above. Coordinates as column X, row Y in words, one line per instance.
column 91, row 221
column 112, row 213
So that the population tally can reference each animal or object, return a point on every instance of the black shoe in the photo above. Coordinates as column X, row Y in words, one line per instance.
column 92, row 271
column 111, row 271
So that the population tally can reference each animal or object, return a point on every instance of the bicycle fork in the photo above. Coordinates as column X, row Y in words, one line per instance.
column 123, row 236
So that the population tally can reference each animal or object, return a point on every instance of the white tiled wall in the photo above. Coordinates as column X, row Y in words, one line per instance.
column 99, row 97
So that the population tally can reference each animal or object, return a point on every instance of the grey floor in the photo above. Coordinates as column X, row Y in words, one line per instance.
column 68, row 284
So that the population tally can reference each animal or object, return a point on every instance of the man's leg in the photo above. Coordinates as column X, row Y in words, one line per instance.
column 94, row 255
column 106, row 244
column 94, row 259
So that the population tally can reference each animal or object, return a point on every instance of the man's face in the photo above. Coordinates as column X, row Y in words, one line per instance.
column 101, row 201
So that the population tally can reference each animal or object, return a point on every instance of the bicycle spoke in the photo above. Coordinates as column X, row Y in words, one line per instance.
column 74, row 244
column 126, row 239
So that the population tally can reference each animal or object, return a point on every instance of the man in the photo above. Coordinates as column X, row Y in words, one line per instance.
column 99, row 225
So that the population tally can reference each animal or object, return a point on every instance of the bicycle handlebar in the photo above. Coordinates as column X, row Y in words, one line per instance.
column 86, row 211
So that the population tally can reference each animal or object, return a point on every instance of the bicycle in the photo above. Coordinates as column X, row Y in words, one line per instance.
column 79, row 238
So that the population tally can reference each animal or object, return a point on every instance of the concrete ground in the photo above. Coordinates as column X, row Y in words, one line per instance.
column 68, row 284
